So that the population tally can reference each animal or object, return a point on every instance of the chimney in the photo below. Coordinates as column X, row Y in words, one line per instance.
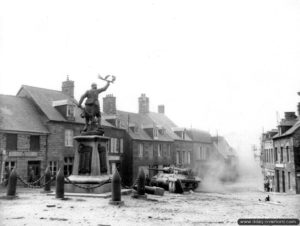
column 68, row 87
column 161, row 109
column 290, row 115
column 143, row 104
column 109, row 105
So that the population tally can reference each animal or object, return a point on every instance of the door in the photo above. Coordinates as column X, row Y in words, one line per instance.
column 283, row 181
column 298, row 183
column 34, row 171
column 277, row 181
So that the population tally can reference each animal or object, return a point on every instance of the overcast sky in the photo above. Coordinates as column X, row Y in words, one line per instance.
column 225, row 66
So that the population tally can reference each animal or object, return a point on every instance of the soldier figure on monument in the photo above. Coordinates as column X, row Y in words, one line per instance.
column 91, row 112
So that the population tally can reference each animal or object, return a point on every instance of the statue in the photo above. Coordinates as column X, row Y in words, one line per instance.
column 91, row 112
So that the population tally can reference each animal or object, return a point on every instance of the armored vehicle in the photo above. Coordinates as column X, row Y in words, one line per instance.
column 176, row 180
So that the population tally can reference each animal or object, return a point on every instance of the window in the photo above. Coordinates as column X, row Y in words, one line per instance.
column 150, row 152
column 281, row 154
column 68, row 165
column 159, row 150
column 10, row 165
column 11, row 142
column 155, row 133
column 113, row 145
column 287, row 154
column 141, row 150
column 53, row 167
column 189, row 157
column 162, row 131
column 118, row 123
column 272, row 155
column 121, row 145
column 169, row 150
column 289, row 180
column 184, row 160
column 276, row 155
column 34, row 143
column 202, row 153
column 70, row 111
column 183, row 135
column 177, row 158
column 69, row 138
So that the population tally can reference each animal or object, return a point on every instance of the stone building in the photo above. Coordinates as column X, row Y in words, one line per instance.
column 267, row 156
column 148, row 143
column 286, row 161
column 48, row 119
column 224, row 159
column 23, row 137
column 280, row 155
column 37, row 127
column 202, row 151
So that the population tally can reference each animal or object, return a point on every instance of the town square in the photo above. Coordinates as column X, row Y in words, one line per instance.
column 150, row 112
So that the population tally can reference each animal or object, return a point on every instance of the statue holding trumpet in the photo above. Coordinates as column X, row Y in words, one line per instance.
column 91, row 111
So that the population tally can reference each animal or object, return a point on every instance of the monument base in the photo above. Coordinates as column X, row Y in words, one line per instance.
column 88, row 184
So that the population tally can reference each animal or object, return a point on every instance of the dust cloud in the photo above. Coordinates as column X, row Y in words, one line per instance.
column 244, row 176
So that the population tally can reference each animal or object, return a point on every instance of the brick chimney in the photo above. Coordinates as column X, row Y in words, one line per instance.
column 161, row 109
column 68, row 87
column 290, row 115
column 109, row 105
column 143, row 104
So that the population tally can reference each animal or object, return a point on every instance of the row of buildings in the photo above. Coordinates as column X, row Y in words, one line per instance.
column 37, row 127
column 280, row 155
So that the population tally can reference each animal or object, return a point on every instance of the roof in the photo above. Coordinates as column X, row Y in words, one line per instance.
column 18, row 114
column 289, row 131
column 285, row 122
column 222, row 146
column 168, row 124
column 44, row 100
column 200, row 136
column 128, row 119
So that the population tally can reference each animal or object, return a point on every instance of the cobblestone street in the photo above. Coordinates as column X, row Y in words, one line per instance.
column 199, row 208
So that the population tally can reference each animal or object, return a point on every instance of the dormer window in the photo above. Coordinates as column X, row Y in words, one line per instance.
column 66, row 108
column 162, row 131
column 118, row 123
column 180, row 132
column 70, row 111
column 155, row 133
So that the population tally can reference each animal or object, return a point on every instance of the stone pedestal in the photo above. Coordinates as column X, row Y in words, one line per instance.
column 91, row 165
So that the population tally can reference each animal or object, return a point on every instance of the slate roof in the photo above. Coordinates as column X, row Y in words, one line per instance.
column 140, row 121
column 18, row 114
column 44, row 99
column 200, row 136
column 222, row 146
column 289, row 131
column 168, row 124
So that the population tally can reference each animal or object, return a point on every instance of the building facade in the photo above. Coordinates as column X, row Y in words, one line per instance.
column 280, row 156
column 42, row 134
column 37, row 127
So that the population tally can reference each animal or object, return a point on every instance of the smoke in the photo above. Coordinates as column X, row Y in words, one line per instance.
column 242, row 175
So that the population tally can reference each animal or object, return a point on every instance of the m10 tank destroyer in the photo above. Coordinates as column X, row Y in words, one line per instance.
column 176, row 180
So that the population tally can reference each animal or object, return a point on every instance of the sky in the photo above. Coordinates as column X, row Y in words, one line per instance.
column 227, row 67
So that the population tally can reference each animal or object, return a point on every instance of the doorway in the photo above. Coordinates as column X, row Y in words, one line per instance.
column 33, row 171
column 298, row 183
column 277, row 181
column 283, row 181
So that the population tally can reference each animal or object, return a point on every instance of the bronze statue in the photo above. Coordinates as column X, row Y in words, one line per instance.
column 91, row 112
